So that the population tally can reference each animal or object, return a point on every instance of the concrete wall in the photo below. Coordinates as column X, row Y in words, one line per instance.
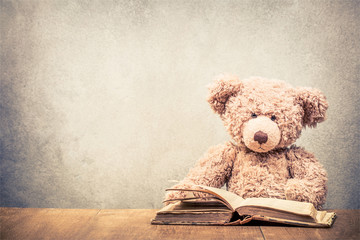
column 103, row 103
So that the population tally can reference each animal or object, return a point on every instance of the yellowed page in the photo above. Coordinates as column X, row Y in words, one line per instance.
column 301, row 208
column 169, row 207
column 222, row 194
column 322, row 218
column 328, row 220
column 231, row 198
column 320, row 215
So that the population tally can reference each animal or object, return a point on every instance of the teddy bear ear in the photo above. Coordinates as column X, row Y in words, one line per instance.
column 314, row 103
column 223, row 87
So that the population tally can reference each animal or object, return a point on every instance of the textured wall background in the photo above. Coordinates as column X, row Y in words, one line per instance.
column 102, row 103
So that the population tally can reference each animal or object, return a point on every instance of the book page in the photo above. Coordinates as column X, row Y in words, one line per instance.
column 300, row 208
column 322, row 218
column 193, row 198
column 328, row 221
column 231, row 198
column 234, row 202
column 326, row 217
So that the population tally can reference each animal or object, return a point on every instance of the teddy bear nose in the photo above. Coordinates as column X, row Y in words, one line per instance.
column 261, row 137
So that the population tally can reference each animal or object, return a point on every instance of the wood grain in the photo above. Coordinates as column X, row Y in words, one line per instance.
column 30, row 223
column 27, row 223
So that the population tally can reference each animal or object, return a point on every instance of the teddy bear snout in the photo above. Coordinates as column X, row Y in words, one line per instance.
column 260, row 137
column 261, row 134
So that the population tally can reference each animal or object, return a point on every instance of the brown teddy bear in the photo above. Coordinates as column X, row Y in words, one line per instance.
column 264, row 118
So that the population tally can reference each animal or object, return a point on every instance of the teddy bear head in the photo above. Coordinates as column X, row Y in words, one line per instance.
column 265, row 114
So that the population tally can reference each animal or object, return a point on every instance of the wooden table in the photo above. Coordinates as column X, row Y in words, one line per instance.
column 50, row 223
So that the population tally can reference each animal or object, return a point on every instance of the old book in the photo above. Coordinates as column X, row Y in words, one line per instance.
column 221, row 207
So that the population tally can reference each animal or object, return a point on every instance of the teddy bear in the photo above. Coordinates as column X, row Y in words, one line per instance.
column 264, row 117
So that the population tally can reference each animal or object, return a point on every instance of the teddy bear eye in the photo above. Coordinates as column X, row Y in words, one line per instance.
column 254, row 115
column 273, row 118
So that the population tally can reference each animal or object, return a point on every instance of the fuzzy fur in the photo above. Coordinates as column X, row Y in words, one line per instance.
column 279, row 169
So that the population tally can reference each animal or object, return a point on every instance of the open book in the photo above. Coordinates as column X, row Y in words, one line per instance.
column 225, row 208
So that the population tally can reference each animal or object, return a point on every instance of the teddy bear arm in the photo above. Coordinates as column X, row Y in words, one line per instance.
column 308, row 178
column 213, row 169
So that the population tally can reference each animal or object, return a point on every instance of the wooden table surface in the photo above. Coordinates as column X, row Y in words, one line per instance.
column 50, row 223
